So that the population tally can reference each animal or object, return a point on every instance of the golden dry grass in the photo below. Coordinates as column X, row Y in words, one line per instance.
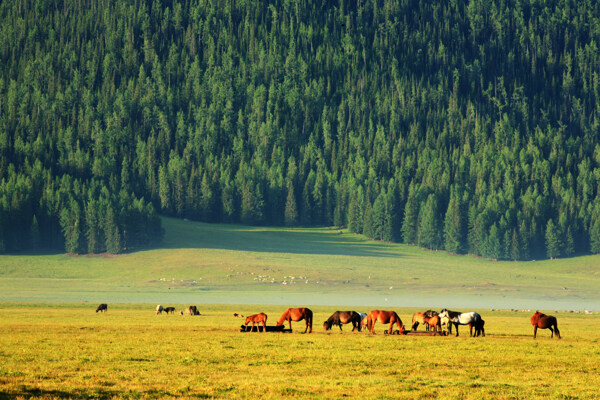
column 69, row 351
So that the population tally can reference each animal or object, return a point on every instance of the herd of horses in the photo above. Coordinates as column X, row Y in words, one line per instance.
column 432, row 320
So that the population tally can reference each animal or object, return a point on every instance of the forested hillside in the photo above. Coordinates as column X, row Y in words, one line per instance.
column 471, row 126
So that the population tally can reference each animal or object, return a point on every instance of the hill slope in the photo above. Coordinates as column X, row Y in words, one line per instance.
column 204, row 263
column 401, row 119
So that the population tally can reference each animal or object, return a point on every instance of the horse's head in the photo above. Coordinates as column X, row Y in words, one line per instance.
column 248, row 320
column 326, row 325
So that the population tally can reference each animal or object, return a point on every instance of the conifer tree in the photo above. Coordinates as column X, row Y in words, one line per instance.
column 552, row 240
column 291, row 211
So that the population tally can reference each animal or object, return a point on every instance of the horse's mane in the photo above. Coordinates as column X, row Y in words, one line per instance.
column 536, row 317
column 283, row 317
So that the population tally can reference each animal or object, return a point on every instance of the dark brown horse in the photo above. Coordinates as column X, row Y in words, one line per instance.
column 543, row 321
column 169, row 310
column 343, row 317
column 479, row 327
column 384, row 317
column 256, row 319
column 297, row 314
column 102, row 307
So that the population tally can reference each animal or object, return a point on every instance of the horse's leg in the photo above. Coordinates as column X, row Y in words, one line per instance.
column 557, row 331
column 264, row 325
column 551, row 332
column 470, row 330
column 456, row 326
column 534, row 331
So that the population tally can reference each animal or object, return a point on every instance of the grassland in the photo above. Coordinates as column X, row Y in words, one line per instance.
column 206, row 263
column 68, row 351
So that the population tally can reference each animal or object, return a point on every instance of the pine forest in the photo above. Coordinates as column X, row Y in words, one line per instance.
column 466, row 126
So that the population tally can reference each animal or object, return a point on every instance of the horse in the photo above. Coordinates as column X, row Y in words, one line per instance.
column 169, row 310
column 543, row 321
column 192, row 310
column 384, row 317
column 343, row 317
column 159, row 309
column 102, row 307
column 364, row 321
column 479, row 330
column 256, row 319
column 297, row 314
column 458, row 318
column 434, row 323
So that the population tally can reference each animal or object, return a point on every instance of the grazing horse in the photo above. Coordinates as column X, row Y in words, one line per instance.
column 458, row 318
column 169, row 310
column 543, row 321
column 343, row 317
column 384, row 317
column 434, row 323
column 102, row 307
column 159, row 309
column 256, row 319
column 418, row 318
column 192, row 310
column 297, row 314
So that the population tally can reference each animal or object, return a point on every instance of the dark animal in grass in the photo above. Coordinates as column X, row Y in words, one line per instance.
column 384, row 317
column 169, row 310
column 343, row 317
column 102, row 307
column 257, row 319
column 543, row 321
column 297, row 314
column 479, row 327
column 192, row 310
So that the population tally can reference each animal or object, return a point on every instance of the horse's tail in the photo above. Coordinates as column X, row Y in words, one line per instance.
column 309, row 318
column 556, row 328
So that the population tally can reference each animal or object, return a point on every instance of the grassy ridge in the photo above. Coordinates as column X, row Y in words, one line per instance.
column 210, row 263
column 66, row 350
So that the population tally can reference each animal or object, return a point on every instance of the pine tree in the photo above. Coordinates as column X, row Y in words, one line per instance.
column 291, row 211
column 453, row 227
column 595, row 236
column 552, row 240
column 429, row 229
column 411, row 214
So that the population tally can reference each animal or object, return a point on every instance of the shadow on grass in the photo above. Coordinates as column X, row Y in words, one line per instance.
column 330, row 241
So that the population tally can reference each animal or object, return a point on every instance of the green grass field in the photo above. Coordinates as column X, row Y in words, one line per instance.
column 209, row 263
column 59, row 350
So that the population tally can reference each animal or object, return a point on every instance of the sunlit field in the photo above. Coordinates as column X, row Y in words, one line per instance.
column 69, row 351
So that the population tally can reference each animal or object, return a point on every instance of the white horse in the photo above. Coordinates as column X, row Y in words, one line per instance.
column 159, row 309
column 457, row 318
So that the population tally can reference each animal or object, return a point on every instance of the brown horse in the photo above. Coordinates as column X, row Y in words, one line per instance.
column 434, row 323
column 343, row 317
column 256, row 319
column 418, row 318
column 543, row 321
column 297, row 314
column 479, row 327
column 384, row 317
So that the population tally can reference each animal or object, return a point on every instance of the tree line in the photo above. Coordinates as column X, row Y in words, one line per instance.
column 466, row 126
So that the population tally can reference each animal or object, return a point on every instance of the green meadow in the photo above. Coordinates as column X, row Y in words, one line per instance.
column 232, row 264
column 66, row 350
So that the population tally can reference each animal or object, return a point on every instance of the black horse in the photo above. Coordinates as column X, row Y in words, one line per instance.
column 102, row 307
column 343, row 317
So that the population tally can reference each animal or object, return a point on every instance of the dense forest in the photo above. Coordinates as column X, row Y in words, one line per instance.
column 470, row 126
